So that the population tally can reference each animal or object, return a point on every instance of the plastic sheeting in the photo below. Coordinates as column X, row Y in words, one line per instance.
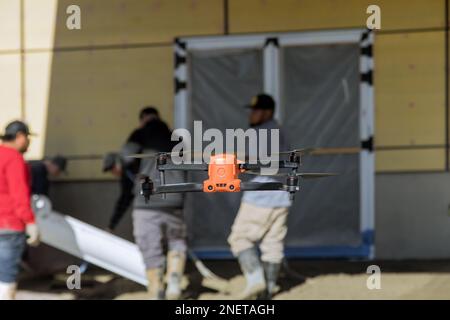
column 326, row 211
column 222, row 82
column 321, row 109
column 320, row 95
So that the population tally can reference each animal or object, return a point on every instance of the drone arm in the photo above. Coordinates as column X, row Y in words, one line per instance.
column 178, row 187
column 262, row 186
column 291, row 187
column 283, row 164
column 183, row 167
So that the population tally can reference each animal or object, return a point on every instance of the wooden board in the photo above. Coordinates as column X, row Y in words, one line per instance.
column 95, row 96
column 123, row 22
column 9, row 89
column 410, row 89
column 281, row 15
column 40, row 23
column 85, row 170
column 9, row 25
column 38, row 67
column 410, row 160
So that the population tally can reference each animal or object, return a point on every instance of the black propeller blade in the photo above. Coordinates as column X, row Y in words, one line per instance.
column 304, row 175
column 168, row 154
column 301, row 151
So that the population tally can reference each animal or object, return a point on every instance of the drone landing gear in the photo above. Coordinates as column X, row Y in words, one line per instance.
column 147, row 188
column 292, row 186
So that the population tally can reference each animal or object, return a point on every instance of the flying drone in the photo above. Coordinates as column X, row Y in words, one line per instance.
column 223, row 174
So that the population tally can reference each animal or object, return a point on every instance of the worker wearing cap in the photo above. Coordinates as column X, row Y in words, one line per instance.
column 17, row 220
column 42, row 169
column 261, row 217
column 158, row 223
column 112, row 162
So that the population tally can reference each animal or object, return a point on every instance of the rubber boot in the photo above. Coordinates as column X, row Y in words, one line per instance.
column 8, row 291
column 155, row 286
column 176, row 262
column 271, row 271
column 254, row 274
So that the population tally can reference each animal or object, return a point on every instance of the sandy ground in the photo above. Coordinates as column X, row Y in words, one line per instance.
column 312, row 280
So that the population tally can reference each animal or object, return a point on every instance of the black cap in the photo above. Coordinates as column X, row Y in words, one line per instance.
column 148, row 111
column 262, row 102
column 15, row 127
column 60, row 162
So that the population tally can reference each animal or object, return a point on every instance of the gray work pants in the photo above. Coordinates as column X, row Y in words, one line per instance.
column 154, row 230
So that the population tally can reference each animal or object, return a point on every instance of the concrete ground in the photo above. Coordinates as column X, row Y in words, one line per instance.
column 303, row 280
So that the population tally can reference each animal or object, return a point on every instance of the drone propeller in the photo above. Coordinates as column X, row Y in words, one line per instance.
column 167, row 154
column 142, row 155
column 302, row 151
column 313, row 175
column 304, row 175
column 298, row 152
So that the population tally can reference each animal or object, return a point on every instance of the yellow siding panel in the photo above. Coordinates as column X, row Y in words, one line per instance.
column 410, row 160
column 85, row 170
column 410, row 89
column 9, row 89
column 9, row 25
column 125, row 22
column 40, row 23
column 95, row 97
column 280, row 15
column 37, row 86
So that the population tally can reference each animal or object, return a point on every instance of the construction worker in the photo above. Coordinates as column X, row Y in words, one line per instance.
column 261, row 218
column 41, row 170
column 127, row 174
column 158, row 223
column 17, row 222
column 112, row 163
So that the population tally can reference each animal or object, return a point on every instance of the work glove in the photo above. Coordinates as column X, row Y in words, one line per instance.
column 33, row 235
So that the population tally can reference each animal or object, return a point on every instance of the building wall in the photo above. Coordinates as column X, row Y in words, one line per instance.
column 81, row 89
column 412, row 216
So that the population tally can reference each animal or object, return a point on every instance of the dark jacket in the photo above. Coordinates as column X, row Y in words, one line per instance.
column 155, row 136
column 40, row 183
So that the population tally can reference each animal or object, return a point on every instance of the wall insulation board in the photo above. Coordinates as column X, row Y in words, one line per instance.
column 85, row 170
column 284, row 15
column 9, row 88
column 40, row 23
column 9, row 25
column 410, row 160
column 38, row 72
column 124, row 22
column 410, row 89
column 95, row 96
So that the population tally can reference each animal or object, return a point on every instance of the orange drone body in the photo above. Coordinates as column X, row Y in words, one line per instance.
column 223, row 173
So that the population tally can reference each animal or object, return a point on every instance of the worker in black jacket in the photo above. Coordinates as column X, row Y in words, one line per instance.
column 161, row 219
